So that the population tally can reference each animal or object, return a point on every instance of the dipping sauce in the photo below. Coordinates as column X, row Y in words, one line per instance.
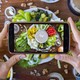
column 41, row 36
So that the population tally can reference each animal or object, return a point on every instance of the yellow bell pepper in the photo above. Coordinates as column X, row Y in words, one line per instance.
column 52, row 55
column 8, row 76
column 43, row 56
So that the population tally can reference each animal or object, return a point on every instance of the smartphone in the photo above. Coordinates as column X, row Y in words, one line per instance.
column 48, row 37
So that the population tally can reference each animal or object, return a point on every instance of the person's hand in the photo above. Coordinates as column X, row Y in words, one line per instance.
column 5, row 66
column 3, row 34
column 74, row 60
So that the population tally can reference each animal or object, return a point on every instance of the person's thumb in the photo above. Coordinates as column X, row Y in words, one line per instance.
column 3, row 34
column 65, row 58
column 14, row 59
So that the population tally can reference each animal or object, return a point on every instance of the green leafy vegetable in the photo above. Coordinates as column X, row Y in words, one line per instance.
column 27, row 16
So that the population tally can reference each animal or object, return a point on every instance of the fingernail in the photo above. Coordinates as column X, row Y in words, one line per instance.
column 58, row 57
column 22, row 56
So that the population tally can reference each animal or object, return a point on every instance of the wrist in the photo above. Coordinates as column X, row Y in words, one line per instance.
column 2, row 77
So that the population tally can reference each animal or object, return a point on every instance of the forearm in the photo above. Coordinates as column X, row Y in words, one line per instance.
column 2, row 79
column 2, row 76
column 3, row 73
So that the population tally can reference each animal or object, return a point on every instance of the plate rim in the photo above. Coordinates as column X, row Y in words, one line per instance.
column 50, row 1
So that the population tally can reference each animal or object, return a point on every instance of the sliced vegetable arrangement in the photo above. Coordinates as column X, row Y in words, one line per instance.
column 40, row 38
column 39, row 15
column 32, row 60
column 30, row 15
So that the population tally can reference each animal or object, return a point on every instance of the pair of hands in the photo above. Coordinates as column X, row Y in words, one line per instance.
column 73, row 60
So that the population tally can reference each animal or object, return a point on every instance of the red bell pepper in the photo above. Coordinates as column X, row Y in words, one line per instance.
column 51, row 31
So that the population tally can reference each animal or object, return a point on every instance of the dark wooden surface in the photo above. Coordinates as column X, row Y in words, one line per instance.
column 22, row 73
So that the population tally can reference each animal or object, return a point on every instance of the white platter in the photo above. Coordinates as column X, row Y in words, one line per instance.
column 46, row 60
column 57, row 75
column 54, row 18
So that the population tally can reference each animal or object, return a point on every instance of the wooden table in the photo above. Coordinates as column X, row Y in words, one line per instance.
column 21, row 73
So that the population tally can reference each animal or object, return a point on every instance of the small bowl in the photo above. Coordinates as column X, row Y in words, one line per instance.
column 57, row 75
column 10, row 8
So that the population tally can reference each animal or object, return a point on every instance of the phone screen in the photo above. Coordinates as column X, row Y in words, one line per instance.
column 39, row 37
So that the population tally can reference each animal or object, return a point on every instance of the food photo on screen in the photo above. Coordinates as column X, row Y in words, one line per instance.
column 38, row 37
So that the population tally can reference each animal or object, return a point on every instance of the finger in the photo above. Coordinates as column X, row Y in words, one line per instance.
column 65, row 58
column 79, row 56
column 79, row 46
column 75, row 52
column 4, row 32
column 73, row 28
column 14, row 59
